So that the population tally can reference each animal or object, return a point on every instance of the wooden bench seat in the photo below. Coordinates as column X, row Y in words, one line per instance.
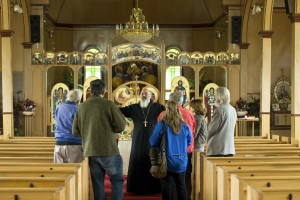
column 28, row 148
column 25, row 153
column 223, row 182
column 55, row 193
column 215, row 184
column 27, row 172
column 44, row 159
column 258, row 172
column 41, row 182
column 79, row 169
column 239, row 184
column 279, row 193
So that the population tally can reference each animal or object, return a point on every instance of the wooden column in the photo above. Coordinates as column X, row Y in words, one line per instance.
column 265, row 82
column 244, row 70
column 7, row 84
column 295, row 71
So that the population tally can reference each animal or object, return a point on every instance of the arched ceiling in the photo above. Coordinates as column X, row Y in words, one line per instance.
column 108, row 12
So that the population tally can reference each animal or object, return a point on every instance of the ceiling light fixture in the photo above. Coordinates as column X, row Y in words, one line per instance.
column 16, row 5
column 257, row 8
column 137, row 29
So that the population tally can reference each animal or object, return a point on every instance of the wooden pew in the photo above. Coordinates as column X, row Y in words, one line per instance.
column 256, row 173
column 215, row 184
column 208, row 173
column 44, row 159
column 55, row 193
column 239, row 184
column 79, row 169
column 43, row 170
column 279, row 193
column 41, row 182
column 29, row 150
column 22, row 153
column 223, row 182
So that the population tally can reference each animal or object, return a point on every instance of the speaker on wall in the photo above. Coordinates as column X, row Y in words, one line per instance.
column 289, row 6
column 35, row 28
column 236, row 29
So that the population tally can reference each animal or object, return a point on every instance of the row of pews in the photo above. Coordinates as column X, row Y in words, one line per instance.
column 27, row 172
column 262, row 169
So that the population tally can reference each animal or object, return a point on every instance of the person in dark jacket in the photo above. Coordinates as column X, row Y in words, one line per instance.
column 97, row 122
column 178, row 139
column 67, row 147
column 144, row 115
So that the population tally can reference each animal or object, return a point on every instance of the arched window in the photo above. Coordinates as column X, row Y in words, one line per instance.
column 172, row 71
column 92, row 70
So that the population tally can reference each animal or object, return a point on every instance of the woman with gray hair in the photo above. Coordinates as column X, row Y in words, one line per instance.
column 67, row 147
column 220, row 135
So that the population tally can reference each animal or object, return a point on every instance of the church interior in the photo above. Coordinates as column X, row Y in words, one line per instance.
column 49, row 47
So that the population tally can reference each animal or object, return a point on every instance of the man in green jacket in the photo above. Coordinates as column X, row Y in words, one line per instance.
column 97, row 121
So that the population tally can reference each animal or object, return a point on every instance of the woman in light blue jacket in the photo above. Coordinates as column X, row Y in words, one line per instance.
column 178, row 138
column 220, row 135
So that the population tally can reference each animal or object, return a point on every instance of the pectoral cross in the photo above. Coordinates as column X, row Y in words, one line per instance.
column 145, row 123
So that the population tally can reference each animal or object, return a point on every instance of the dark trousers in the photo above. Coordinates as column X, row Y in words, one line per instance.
column 188, row 176
column 173, row 183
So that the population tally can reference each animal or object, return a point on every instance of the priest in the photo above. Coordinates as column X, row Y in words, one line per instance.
column 144, row 115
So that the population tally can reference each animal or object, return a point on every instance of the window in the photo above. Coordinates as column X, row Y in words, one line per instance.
column 93, row 71
column 172, row 71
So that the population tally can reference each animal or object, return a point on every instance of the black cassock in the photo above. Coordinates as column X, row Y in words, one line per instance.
column 139, row 179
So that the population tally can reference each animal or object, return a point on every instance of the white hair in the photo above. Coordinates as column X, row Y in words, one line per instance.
column 222, row 95
column 74, row 95
column 177, row 97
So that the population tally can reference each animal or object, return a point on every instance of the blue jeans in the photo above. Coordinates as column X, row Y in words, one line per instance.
column 113, row 166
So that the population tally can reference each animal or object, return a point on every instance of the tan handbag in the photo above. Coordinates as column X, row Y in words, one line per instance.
column 158, row 156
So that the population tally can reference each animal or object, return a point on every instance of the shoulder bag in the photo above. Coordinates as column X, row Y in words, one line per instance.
column 158, row 156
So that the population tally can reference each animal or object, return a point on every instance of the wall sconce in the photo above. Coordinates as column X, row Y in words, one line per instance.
column 16, row 5
column 219, row 34
column 50, row 33
column 257, row 8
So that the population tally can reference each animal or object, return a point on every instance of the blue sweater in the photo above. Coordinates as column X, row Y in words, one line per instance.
column 64, row 116
column 176, row 146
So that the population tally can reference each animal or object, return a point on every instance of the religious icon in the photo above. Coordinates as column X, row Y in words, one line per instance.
column 59, row 95
column 209, row 99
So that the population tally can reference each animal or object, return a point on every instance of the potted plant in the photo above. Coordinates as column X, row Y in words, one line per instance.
column 27, row 106
column 241, row 107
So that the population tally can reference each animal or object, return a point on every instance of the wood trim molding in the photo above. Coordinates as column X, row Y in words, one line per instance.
column 7, row 33
column 295, row 115
column 265, row 113
column 265, row 34
column 27, row 45
column 294, row 18
column 244, row 45
column 8, row 113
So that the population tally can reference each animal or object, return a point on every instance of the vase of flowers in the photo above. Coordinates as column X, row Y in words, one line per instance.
column 27, row 106
column 241, row 107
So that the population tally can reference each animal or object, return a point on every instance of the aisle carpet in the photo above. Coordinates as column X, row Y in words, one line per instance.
column 128, row 196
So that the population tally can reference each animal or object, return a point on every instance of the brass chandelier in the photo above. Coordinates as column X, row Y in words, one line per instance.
column 137, row 29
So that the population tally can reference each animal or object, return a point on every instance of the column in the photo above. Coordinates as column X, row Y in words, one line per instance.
column 265, row 99
column 7, row 84
column 295, row 71
column 244, row 70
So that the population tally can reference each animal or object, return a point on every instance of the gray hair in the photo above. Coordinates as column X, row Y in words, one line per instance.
column 222, row 95
column 177, row 97
column 74, row 95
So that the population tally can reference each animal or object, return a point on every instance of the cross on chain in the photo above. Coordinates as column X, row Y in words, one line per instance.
column 145, row 123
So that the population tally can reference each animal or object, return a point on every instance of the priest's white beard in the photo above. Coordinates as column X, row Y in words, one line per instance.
column 144, row 103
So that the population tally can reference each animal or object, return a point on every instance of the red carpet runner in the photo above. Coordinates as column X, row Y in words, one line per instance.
column 128, row 196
